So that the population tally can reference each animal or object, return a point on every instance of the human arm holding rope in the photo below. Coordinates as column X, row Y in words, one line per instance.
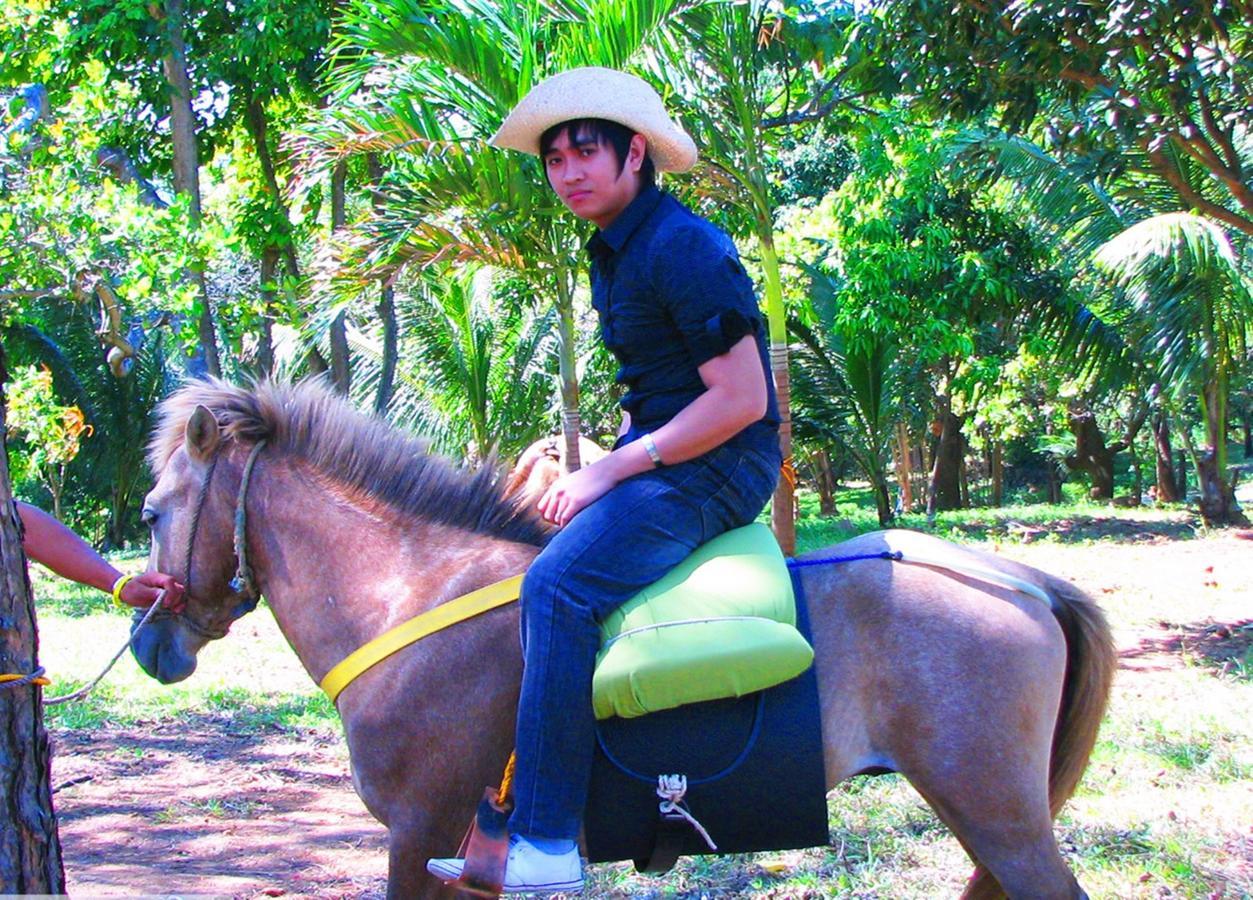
column 51, row 544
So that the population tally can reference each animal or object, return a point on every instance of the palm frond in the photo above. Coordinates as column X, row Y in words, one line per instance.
column 1191, row 302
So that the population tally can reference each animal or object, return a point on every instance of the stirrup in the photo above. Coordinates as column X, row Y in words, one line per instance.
column 485, row 848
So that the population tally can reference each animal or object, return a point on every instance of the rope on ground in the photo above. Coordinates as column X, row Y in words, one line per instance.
column 671, row 789
column 87, row 688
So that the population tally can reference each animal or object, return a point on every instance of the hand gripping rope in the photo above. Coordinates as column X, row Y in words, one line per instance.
column 37, row 676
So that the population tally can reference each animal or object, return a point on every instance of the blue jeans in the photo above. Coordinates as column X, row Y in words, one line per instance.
column 607, row 553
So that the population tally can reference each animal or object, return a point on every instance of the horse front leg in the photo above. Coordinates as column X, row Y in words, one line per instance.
column 408, row 849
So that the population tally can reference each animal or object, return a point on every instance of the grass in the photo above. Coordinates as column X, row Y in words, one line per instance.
column 249, row 682
column 1164, row 809
column 1078, row 521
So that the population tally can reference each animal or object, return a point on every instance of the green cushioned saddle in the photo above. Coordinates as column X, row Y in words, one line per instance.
column 720, row 624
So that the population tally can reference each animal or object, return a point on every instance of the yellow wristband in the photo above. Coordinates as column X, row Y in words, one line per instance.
column 118, row 585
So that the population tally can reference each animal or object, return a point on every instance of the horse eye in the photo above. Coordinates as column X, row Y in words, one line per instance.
column 148, row 516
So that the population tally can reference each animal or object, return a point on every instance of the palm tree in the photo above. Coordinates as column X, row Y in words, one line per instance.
column 427, row 87
column 1180, row 300
column 848, row 388
column 477, row 383
column 1190, row 306
column 716, row 65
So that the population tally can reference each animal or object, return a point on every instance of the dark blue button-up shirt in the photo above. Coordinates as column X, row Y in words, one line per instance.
column 671, row 295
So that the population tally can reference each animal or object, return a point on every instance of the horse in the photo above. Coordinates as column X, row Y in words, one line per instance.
column 985, row 698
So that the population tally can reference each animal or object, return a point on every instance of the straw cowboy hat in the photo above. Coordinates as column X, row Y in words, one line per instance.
column 592, row 92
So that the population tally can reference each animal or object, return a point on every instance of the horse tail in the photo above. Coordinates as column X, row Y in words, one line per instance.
column 1090, row 664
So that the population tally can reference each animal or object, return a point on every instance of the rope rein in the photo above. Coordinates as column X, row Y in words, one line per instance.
column 87, row 688
column 242, row 584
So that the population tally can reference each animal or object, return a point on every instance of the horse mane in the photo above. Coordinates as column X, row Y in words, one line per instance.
column 309, row 422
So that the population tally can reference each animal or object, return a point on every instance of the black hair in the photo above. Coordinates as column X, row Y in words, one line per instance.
column 605, row 131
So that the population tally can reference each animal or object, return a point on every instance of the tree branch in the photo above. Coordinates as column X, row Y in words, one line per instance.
column 810, row 113
column 117, row 161
column 1223, row 138
column 1175, row 178
column 41, row 294
column 1200, row 150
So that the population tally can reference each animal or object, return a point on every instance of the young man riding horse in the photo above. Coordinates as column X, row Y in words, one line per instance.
column 698, row 453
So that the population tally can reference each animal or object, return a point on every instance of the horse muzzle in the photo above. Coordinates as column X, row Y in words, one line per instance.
column 164, row 649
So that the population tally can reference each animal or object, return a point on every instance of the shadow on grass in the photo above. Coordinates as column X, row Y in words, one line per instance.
column 1224, row 648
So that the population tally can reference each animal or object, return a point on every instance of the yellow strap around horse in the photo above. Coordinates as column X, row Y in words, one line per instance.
column 467, row 606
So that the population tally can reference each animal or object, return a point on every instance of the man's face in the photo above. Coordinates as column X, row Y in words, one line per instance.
column 590, row 179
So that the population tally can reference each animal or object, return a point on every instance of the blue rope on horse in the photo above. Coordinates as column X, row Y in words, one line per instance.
column 832, row 560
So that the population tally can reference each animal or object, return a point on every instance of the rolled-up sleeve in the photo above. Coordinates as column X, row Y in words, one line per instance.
column 705, row 290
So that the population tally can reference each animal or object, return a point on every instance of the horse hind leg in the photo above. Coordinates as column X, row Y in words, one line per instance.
column 1002, row 820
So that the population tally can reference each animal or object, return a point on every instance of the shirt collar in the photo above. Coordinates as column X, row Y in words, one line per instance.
column 614, row 238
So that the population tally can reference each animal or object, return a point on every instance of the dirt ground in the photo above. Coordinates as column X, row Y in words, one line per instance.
column 200, row 809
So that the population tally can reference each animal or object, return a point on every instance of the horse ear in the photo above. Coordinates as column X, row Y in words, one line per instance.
column 202, row 435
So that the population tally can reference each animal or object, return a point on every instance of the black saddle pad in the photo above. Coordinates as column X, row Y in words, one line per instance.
column 753, row 765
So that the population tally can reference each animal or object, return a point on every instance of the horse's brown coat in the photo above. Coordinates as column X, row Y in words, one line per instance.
column 953, row 682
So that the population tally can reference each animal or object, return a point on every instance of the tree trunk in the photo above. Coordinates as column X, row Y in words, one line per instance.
column 1181, row 472
column 567, row 372
column 387, row 374
column 945, row 488
column 341, row 371
column 904, row 469
column 386, row 309
column 1091, row 455
column 187, row 160
column 782, row 507
column 1217, row 487
column 258, row 126
column 1167, row 487
column 826, row 483
column 265, row 341
column 1137, row 476
column 997, row 466
column 1054, row 483
column 882, row 501
column 30, row 848
column 963, row 479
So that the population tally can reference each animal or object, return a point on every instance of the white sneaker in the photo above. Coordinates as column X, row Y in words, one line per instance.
column 528, row 870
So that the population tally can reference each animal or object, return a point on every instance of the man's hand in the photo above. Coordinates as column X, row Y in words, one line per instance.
column 573, row 491
column 143, row 590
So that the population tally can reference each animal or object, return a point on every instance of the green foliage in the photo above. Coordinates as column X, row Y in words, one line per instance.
column 1189, row 294
column 50, row 431
column 109, row 475
column 1150, row 90
column 479, row 383
column 68, row 233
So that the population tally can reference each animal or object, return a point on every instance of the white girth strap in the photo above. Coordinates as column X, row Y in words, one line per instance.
column 980, row 572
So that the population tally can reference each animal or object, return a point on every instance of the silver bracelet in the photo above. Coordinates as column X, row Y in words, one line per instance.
column 650, row 446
